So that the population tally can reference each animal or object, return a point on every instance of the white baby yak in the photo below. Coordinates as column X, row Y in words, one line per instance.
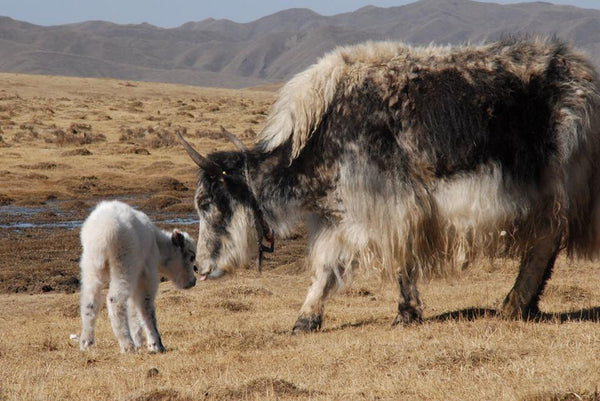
column 123, row 245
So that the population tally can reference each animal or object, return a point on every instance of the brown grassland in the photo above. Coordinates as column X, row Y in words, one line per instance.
column 66, row 143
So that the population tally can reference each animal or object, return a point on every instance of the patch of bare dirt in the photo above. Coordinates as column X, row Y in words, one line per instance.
column 39, row 260
column 169, row 184
column 5, row 200
column 77, row 205
column 181, row 208
column 161, row 202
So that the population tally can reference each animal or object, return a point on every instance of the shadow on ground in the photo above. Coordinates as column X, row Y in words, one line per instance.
column 585, row 315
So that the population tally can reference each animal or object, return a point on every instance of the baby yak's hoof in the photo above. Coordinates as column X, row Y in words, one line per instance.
column 156, row 348
column 85, row 344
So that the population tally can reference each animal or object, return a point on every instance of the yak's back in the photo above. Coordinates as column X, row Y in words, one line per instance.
column 495, row 102
column 118, row 228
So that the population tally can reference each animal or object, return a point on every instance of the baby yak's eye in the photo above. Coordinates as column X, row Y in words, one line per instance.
column 192, row 258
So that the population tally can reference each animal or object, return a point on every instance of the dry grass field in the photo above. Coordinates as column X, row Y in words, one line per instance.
column 67, row 143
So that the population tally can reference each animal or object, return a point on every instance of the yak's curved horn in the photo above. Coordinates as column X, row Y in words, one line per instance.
column 233, row 139
column 209, row 166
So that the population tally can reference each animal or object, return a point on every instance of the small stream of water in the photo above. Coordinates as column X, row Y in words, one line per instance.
column 24, row 217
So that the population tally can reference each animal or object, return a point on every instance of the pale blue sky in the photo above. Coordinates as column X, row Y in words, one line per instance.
column 172, row 13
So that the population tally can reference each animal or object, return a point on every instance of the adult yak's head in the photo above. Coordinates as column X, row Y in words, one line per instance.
column 231, row 223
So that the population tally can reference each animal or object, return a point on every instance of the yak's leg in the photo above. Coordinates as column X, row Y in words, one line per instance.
column 148, row 317
column 122, row 285
column 324, row 283
column 311, row 313
column 410, row 309
column 534, row 271
column 144, row 300
column 135, row 325
column 93, row 274
column 116, row 300
column 330, row 269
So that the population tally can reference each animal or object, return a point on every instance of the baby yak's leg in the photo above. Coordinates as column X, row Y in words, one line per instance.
column 135, row 325
column 93, row 274
column 120, row 289
column 144, row 300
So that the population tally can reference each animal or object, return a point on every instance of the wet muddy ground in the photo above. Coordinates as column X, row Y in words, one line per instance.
column 67, row 143
column 40, row 247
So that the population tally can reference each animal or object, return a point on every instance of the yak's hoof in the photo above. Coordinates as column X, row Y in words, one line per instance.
column 510, row 311
column 156, row 348
column 128, row 348
column 515, row 307
column 306, row 324
column 408, row 316
column 85, row 344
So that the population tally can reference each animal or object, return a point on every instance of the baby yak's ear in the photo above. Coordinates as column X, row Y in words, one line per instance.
column 177, row 238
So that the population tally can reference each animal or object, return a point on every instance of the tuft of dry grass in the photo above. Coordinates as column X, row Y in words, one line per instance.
column 77, row 152
column 77, row 134
column 149, row 137
column 263, row 388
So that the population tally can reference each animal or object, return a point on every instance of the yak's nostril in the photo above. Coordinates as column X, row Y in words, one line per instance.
column 195, row 269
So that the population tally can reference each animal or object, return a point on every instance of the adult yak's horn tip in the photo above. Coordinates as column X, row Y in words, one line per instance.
column 234, row 139
column 205, row 164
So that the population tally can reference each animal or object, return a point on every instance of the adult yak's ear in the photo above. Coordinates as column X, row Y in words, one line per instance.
column 177, row 239
column 211, row 168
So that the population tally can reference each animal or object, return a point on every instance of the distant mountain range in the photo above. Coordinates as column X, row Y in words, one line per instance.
column 271, row 49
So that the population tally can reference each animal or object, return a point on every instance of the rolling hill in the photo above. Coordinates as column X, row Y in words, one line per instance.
column 224, row 53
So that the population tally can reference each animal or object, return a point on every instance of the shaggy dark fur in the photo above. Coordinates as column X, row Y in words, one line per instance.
column 410, row 158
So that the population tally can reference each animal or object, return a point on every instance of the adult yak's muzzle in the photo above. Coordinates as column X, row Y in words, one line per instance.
column 210, row 271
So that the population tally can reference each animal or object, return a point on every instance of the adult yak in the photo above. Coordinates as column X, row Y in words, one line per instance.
column 408, row 158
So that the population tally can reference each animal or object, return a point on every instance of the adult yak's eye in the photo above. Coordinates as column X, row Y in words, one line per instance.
column 203, row 202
